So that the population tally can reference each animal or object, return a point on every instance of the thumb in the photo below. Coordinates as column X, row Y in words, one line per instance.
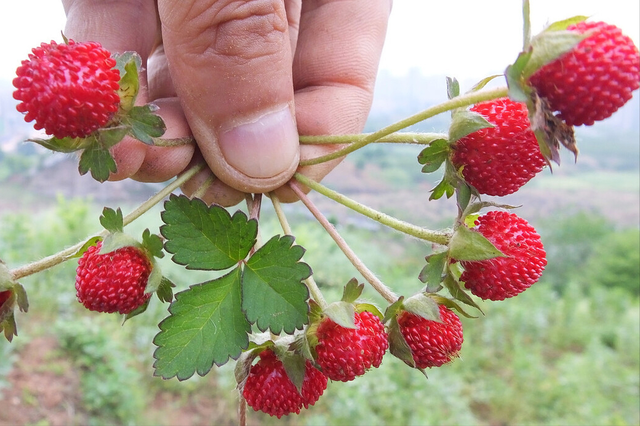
column 230, row 63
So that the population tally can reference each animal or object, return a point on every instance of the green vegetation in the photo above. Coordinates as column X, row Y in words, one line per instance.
column 567, row 351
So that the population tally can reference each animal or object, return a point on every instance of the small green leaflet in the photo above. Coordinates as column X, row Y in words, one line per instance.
column 433, row 271
column 206, row 327
column 145, row 124
column 465, row 122
column 467, row 244
column 273, row 295
column 98, row 161
column 112, row 220
column 206, row 238
column 434, row 155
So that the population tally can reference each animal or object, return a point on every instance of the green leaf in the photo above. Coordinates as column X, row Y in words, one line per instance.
column 453, row 87
column 98, row 161
column 295, row 366
column 465, row 122
column 434, row 155
column 64, row 145
column 111, row 136
column 352, row 290
column 89, row 243
column 518, row 90
column 273, row 295
column 128, row 63
column 342, row 313
column 463, row 196
column 470, row 245
column 165, row 290
column 144, row 124
column 139, row 310
column 423, row 306
column 206, row 326
column 207, row 238
column 433, row 271
column 152, row 243
column 112, row 220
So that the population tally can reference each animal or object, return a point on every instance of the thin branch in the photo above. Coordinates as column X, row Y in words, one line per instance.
column 398, row 137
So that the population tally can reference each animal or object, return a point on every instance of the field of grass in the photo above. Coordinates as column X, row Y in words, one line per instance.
column 567, row 351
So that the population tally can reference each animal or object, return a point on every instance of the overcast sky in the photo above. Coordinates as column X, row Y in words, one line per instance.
column 461, row 38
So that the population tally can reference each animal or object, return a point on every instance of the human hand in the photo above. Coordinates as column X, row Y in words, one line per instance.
column 231, row 73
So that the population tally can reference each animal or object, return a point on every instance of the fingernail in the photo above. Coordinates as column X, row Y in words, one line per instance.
column 263, row 148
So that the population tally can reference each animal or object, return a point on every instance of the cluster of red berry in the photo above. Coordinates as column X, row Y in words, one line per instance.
column 70, row 90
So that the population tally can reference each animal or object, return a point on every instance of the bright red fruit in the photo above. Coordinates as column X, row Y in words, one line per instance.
column 70, row 90
column 593, row 80
column 345, row 353
column 499, row 160
column 269, row 389
column 432, row 343
column 113, row 282
column 503, row 277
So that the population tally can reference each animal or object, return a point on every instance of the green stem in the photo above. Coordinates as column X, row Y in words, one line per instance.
column 403, row 137
column 436, row 237
column 316, row 294
column 457, row 102
column 371, row 278
column 173, row 142
column 68, row 253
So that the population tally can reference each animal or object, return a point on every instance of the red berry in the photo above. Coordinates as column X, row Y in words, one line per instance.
column 113, row 282
column 594, row 79
column 70, row 90
column 432, row 343
column 345, row 353
column 503, row 277
column 4, row 296
column 269, row 389
column 499, row 160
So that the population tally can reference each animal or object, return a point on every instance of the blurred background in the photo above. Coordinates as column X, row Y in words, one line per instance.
column 564, row 352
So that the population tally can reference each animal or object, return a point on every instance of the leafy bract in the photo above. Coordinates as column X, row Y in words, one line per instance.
column 98, row 160
column 273, row 295
column 206, row 326
column 207, row 238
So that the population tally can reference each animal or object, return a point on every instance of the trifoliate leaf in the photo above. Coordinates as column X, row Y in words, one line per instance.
column 128, row 63
column 433, row 272
column 465, row 122
column 207, row 238
column 112, row 220
column 206, row 327
column 423, row 306
column 273, row 295
column 342, row 313
column 434, row 155
column 352, row 290
column 467, row 244
column 97, row 160
column 145, row 124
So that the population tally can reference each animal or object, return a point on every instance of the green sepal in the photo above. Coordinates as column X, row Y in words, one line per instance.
column 352, row 290
column 423, row 306
column 369, row 307
column 65, row 145
column 89, row 243
column 112, row 220
column 294, row 365
column 111, row 136
column 8, row 326
column 128, row 63
column 482, row 83
column 155, row 278
column 21, row 297
column 451, row 304
column 434, row 155
column 565, row 23
column 398, row 346
column 342, row 313
column 456, row 291
column 117, row 240
column 6, row 278
column 463, row 195
column 393, row 310
column 549, row 46
column 139, row 310
column 144, row 124
column 470, row 245
column 243, row 366
column 465, row 122
column 518, row 90
column 444, row 187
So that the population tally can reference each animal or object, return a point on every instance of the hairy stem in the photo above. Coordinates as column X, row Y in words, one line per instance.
column 173, row 142
column 404, row 137
column 436, row 237
column 378, row 285
column 316, row 294
column 68, row 253
column 457, row 102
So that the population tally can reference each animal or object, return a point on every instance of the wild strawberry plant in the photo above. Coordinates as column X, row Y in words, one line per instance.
column 262, row 308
